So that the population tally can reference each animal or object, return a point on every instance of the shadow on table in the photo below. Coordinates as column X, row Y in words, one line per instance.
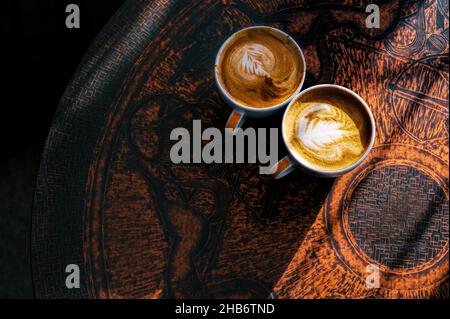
column 266, row 224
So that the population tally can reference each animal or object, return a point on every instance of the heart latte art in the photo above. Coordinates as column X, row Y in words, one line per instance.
column 324, row 135
column 260, row 70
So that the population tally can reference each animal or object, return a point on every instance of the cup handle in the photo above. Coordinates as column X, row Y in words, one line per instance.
column 235, row 120
column 282, row 168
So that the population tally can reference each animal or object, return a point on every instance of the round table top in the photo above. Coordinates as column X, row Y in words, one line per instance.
column 109, row 199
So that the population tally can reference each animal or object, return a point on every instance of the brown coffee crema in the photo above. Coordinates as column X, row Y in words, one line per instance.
column 259, row 69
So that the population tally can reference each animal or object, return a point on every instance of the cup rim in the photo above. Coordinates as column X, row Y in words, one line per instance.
column 301, row 161
column 246, row 107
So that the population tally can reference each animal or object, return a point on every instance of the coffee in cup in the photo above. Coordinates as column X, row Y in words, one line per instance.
column 258, row 70
column 328, row 130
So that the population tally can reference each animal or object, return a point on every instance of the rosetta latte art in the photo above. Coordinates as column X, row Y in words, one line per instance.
column 259, row 70
column 327, row 135
column 251, row 62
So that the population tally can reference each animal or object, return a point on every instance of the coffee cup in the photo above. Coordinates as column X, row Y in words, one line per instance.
column 257, row 71
column 328, row 130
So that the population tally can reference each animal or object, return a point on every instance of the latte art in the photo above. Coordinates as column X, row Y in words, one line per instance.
column 328, row 134
column 324, row 135
column 251, row 61
column 260, row 70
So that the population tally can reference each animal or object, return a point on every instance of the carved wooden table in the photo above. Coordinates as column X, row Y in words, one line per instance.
column 109, row 199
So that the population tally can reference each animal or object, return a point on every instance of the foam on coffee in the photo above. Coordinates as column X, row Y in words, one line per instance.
column 328, row 132
column 259, row 69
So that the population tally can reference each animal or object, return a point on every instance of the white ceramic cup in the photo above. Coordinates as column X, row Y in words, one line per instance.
column 293, row 160
column 240, row 111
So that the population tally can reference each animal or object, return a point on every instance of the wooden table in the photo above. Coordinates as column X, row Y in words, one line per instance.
column 109, row 199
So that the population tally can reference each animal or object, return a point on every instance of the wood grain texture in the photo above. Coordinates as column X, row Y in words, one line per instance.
column 109, row 198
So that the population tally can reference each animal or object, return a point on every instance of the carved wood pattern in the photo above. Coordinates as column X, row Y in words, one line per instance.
column 109, row 198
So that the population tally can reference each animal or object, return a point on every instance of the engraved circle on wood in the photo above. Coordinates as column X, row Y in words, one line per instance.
column 397, row 216
column 404, row 233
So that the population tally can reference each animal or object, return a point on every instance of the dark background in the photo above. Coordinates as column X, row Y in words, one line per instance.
column 37, row 59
